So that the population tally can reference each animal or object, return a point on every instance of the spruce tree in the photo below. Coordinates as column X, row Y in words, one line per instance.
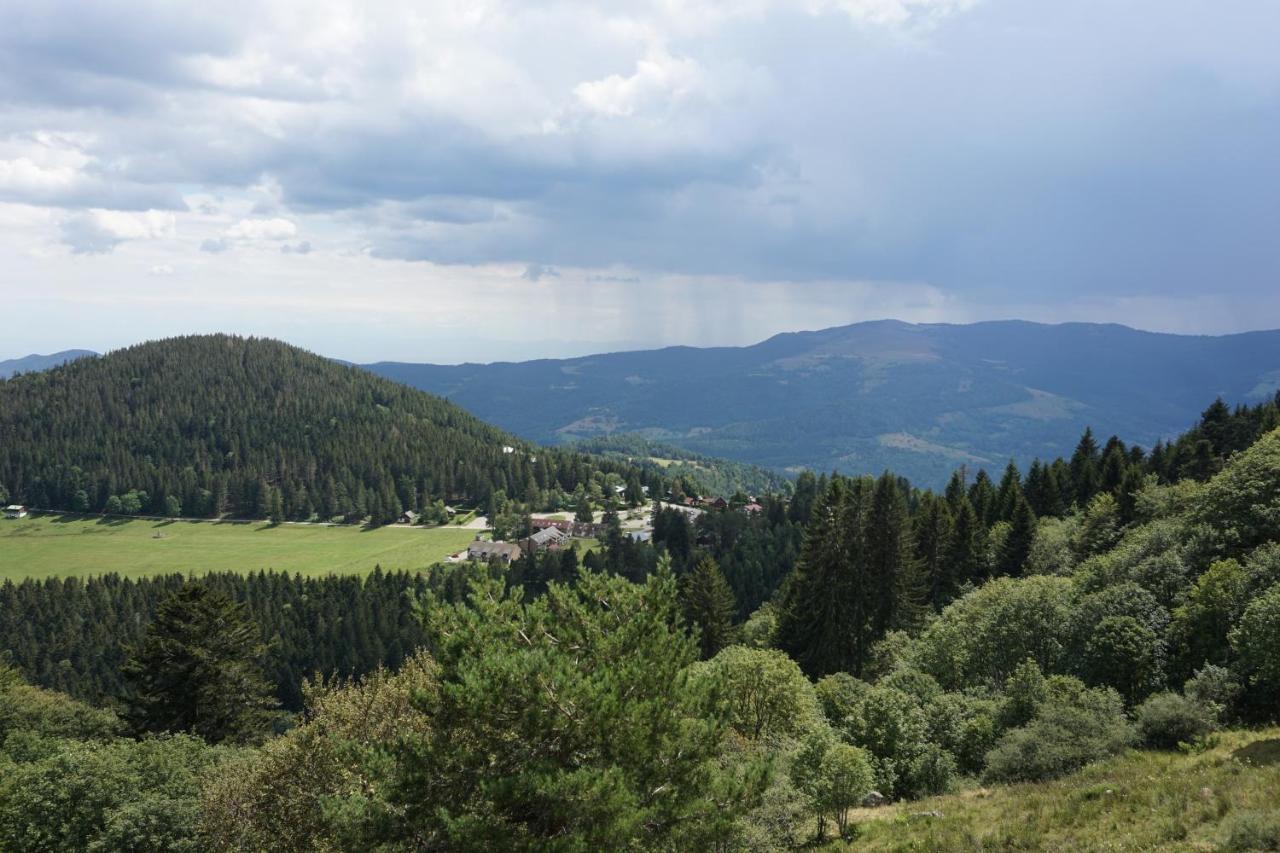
column 1009, row 491
column 198, row 670
column 933, row 531
column 982, row 494
column 820, row 624
column 1085, row 478
column 965, row 563
column 893, row 574
column 1017, row 545
column 709, row 606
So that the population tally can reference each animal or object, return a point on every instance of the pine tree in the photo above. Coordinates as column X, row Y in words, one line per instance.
column 709, row 606
column 933, row 531
column 893, row 574
column 820, row 624
column 982, row 494
column 965, row 562
column 1009, row 492
column 199, row 670
column 1017, row 545
column 1085, row 479
column 582, row 513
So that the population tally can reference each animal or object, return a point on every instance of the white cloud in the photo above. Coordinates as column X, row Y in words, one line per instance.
column 100, row 231
column 1013, row 149
column 659, row 78
column 254, row 230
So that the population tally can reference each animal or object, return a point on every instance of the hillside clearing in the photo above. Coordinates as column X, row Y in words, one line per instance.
column 1143, row 800
column 67, row 545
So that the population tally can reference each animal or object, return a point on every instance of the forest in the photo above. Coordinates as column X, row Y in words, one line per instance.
column 217, row 425
column 742, row 682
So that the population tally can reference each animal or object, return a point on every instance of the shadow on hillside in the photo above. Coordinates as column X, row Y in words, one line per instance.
column 67, row 518
column 1260, row 753
column 113, row 521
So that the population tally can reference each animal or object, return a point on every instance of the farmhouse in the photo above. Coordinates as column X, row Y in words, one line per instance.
column 408, row 517
column 15, row 511
column 548, row 538
column 504, row 551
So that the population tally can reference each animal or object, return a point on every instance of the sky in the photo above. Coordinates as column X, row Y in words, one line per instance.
column 488, row 180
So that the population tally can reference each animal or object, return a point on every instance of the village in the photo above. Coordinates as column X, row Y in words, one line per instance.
column 555, row 531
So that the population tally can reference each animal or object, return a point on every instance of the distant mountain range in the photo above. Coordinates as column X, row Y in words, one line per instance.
column 26, row 364
column 919, row 399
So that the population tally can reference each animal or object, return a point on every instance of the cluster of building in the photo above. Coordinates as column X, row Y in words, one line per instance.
column 555, row 533
column 718, row 503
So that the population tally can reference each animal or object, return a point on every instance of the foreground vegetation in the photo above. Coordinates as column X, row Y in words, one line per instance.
column 1222, row 798
column 896, row 645
column 75, row 546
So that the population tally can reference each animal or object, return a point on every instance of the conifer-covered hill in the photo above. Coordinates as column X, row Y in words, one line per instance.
column 213, row 425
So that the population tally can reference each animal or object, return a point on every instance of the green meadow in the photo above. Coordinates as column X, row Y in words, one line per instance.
column 64, row 545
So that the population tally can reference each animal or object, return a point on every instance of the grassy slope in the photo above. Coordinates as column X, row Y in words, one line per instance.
column 1143, row 800
column 68, row 545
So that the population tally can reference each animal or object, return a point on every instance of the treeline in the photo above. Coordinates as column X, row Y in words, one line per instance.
column 218, row 425
column 74, row 635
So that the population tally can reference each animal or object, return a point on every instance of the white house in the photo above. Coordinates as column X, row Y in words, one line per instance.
column 15, row 511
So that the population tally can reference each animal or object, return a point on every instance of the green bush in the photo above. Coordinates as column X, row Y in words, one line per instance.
column 1168, row 719
column 1074, row 726
column 1214, row 687
column 1252, row 831
column 119, row 795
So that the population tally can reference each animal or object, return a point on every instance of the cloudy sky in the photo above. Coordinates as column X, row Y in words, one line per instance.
column 482, row 179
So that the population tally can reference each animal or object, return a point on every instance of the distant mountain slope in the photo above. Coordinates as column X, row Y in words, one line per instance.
column 32, row 362
column 255, row 428
column 920, row 399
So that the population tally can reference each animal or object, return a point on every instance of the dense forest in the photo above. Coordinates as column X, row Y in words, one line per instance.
column 867, row 641
column 219, row 425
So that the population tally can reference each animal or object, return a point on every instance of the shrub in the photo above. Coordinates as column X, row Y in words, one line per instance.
column 1215, row 688
column 833, row 776
column 839, row 696
column 981, row 638
column 919, row 686
column 761, row 692
column 1073, row 726
column 117, row 795
column 298, row 791
column 1168, row 719
column 1256, row 639
column 1253, row 831
column 963, row 725
column 932, row 771
column 846, row 778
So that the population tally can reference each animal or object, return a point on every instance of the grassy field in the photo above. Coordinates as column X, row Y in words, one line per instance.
column 1226, row 798
column 47, row 546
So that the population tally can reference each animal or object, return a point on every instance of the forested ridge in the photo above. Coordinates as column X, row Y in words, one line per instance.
column 218, row 425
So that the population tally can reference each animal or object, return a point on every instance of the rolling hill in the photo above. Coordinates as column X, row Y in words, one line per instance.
column 27, row 364
column 212, row 425
column 919, row 399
